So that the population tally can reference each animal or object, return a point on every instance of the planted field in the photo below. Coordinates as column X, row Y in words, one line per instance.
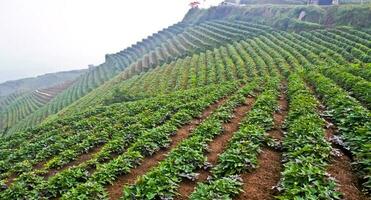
column 221, row 110
column 176, row 41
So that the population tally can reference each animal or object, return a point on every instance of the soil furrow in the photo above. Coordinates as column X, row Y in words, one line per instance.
column 115, row 190
column 258, row 185
column 87, row 156
column 340, row 168
column 51, row 172
column 10, row 179
column 82, row 158
column 216, row 147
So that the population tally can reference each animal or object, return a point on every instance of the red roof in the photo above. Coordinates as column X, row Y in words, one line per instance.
column 194, row 4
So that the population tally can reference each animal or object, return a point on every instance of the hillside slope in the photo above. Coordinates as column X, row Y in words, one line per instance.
column 187, row 37
column 218, row 32
column 18, row 106
column 96, row 76
column 272, row 115
column 192, row 39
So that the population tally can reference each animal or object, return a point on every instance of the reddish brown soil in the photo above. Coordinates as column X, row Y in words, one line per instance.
column 10, row 180
column 216, row 147
column 340, row 168
column 82, row 158
column 39, row 165
column 115, row 190
column 258, row 185
column 14, row 176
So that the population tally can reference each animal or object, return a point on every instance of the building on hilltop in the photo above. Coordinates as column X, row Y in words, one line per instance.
column 231, row 3
column 323, row 2
column 91, row 67
column 194, row 4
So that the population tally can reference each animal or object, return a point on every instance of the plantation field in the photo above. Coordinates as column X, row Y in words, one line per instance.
column 223, row 109
column 250, row 113
column 176, row 41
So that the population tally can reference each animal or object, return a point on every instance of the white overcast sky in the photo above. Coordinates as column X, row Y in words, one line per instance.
column 41, row 36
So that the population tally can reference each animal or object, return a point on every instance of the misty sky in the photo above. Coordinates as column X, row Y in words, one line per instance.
column 41, row 36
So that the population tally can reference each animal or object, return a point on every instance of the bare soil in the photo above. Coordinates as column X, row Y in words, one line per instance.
column 10, row 179
column 258, row 184
column 81, row 159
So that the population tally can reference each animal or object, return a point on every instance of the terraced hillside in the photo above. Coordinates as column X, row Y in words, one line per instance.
column 15, row 107
column 227, row 31
column 199, row 31
column 264, row 114
column 6, row 100
column 167, row 46
column 98, row 75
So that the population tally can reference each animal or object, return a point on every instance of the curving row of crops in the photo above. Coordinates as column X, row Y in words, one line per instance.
column 46, row 162
column 176, row 41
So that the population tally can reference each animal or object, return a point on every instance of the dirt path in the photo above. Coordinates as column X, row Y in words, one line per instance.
column 115, row 190
column 340, row 168
column 216, row 147
column 258, row 185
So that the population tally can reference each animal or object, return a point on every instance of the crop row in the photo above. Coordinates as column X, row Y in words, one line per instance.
column 241, row 153
column 306, row 151
column 354, row 35
column 96, row 76
column 201, row 38
column 138, row 60
column 182, row 162
column 143, row 187
column 361, row 148
column 343, row 76
column 353, row 117
column 226, row 63
column 57, row 184
column 241, row 60
column 359, row 87
column 89, row 132
column 323, row 50
column 141, row 65
column 167, row 82
column 352, row 120
column 204, row 68
column 350, row 50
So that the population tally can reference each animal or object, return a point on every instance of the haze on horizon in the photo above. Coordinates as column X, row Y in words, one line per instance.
column 43, row 36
